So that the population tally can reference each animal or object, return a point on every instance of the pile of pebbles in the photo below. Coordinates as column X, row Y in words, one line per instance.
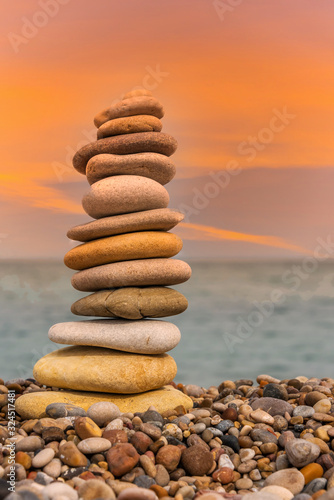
column 271, row 441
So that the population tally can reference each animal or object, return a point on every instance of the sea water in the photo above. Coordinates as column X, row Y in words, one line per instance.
column 244, row 319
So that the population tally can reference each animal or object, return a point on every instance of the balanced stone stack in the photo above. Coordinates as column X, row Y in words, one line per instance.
column 125, row 261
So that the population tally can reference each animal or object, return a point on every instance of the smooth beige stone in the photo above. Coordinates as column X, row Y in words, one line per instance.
column 155, row 166
column 129, row 125
column 141, row 142
column 161, row 219
column 98, row 369
column 145, row 272
column 33, row 405
column 129, row 246
column 133, row 105
column 144, row 336
column 122, row 194
column 132, row 303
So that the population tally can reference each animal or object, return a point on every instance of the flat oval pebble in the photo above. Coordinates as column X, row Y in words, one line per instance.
column 34, row 404
column 61, row 410
column 132, row 303
column 291, row 479
column 104, row 370
column 129, row 246
column 272, row 405
column 123, row 194
column 145, row 272
column 29, row 443
column 43, row 458
column 130, row 106
column 129, row 125
column 94, row 445
column 144, row 337
column 141, row 142
column 156, row 166
column 161, row 219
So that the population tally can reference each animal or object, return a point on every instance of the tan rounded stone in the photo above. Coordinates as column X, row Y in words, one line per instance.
column 162, row 219
column 132, row 303
column 291, row 479
column 86, row 428
column 90, row 368
column 130, row 106
column 323, row 406
column 144, row 337
column 129, row 125
column 70, row 455
column 141, row 142
column 124, row 194
column 33, row 405
column 155, row 166
column 43, row 458
column 94, row 445
column 94, row 488
column 129, row 246
column 145, row 272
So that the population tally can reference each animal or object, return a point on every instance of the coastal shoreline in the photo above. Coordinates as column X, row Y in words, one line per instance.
column 274, row 437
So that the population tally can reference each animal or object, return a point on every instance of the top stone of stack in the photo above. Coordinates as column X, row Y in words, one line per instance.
column 138, row 114
column 135, row 102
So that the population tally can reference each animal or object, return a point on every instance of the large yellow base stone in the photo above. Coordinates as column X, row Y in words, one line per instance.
column 33, row 405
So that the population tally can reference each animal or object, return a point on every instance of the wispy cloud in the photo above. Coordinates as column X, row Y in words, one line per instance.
column 33, row 193
column 199, row 231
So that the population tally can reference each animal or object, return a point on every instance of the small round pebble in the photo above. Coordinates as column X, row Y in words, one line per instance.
column 104, row 412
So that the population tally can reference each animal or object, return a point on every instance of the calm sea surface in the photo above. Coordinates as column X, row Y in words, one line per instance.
column 243, row 319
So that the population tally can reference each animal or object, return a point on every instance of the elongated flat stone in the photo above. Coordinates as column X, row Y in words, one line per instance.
column 130, row 246
column 158, row 167
column 33, row 405
column 147, row 336
column 142, row 142
column 161, row 219
column 132, row 303
column 97, row 369
column 133, row 105
column 123, row 194
column 129, row 125
column 145, row 272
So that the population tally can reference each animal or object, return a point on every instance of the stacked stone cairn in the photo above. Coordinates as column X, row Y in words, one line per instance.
column 124, row 259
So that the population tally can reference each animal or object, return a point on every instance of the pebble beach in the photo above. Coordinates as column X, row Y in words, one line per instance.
column 273, row 439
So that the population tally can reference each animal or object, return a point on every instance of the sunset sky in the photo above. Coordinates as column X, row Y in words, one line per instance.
column 247, row 91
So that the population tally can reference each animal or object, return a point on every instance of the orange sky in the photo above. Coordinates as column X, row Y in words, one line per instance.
column 225, row 84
